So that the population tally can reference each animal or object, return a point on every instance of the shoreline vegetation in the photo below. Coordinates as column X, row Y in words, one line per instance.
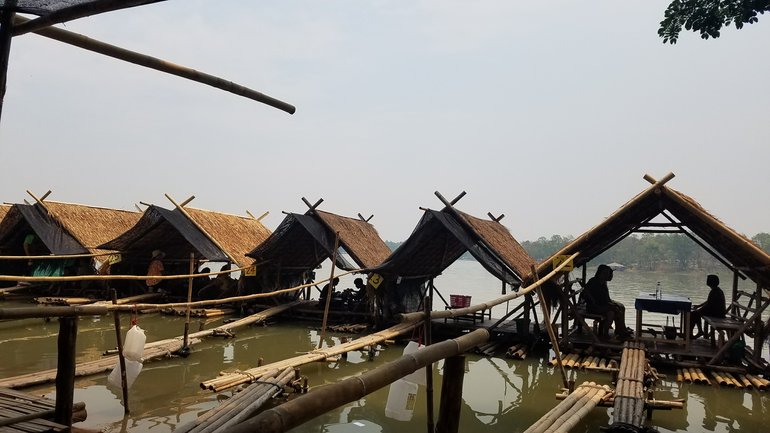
column 648, row 252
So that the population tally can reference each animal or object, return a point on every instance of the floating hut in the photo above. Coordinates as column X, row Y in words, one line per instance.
column 440, row 238
column 59, row 229
column 183, row 234
column 679, row 214
column 302, row 242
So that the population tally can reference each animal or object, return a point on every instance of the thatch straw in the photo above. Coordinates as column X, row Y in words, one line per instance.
column 499, row 239
column 359, row 238
column 91, row 226
column 236, row 234
column 4, row 210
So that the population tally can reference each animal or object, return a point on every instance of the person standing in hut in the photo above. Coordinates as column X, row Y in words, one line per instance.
column 155, row 269
column 598, row 301
column 713, row 307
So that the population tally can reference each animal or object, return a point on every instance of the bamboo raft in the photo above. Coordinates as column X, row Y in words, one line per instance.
column 20, row 412
column 572, row 409
column 722, row 378
column 517, row 351
column 60, row 300
column 629, row 391
column 242, row 405
column 152, row 351
column 595, row 363
column 229, row 380
column 198, row 312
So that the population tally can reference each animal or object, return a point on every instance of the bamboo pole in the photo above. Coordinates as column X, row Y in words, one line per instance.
column 65, row 370
column 121, row 358
column 451, row 395
column 679, row 376
column 189, row 299
column 330, row 292
column 549, row 328
column 155, row 63
column 428, row 306
column 326, row 398
column 7, row 16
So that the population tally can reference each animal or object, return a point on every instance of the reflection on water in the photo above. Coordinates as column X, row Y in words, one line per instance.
column 499, row 395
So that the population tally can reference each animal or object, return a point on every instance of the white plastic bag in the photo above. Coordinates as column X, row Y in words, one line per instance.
column 418, row 376
column 133, row 347
column 133, row 368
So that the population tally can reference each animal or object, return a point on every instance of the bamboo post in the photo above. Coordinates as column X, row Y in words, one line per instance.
column 65, row 370
column 189, row 299
column 549, row 328
column 121, row 358
column 6, row 23
column 330, row 293
column 451, row 395
column 428, row 306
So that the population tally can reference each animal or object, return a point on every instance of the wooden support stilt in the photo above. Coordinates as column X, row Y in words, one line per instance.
column 189, row 299
column 549, row 328
column 428, row 306
column 65, row 370
column 330, row 292
column 121, row 358
column 451, row 395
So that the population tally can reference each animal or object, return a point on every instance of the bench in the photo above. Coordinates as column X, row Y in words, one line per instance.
column 598, row 319
column 721, row 324
column 473, row 317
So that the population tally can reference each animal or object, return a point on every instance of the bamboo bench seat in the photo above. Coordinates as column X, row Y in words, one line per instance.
column 725, row 324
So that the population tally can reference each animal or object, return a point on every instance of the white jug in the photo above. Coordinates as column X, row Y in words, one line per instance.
column 133, row 347
column 418, row 376
column 133, row 368
column 401, row 400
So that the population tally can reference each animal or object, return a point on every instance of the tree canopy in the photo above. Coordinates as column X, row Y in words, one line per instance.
column 708, row 16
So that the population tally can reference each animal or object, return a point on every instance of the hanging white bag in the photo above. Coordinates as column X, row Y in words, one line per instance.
column 418, row 376
column 133, row 348
column 133, row 368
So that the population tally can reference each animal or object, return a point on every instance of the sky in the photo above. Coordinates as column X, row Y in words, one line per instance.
column 547, row 112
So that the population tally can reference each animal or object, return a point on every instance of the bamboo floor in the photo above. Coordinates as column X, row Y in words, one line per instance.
column 629, row 390
column 152, row 351
column 19, row 405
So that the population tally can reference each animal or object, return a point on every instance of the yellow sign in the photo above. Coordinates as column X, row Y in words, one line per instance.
column 251, row 271
column 560, row 259
column 375, row 280
column 114, row 258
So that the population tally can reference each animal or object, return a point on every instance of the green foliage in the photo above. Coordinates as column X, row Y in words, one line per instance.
column 708, row 16
column 543, row 248
column 763, row 241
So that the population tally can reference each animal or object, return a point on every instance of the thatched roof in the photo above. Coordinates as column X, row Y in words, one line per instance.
column 236, row 234
column 441, row 237
column 4, row 210
column 359, row 238
column 172, row 232
column 735, row 248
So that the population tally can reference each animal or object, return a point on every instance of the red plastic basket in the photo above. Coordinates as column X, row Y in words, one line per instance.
column 459, row 301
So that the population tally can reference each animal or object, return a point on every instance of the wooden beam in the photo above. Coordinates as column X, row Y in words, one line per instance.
column 184, row 203
column 311, row 207
column 65, row 370
column 366, row 220
column 76, row 11
column 155, row 63
column 495, row 219
column 261, row 217
column 6, row 22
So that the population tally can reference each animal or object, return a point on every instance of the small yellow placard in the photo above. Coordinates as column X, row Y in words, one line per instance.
column 557, row 260
column 251, row 271
column 375, row 280
column 114, row 258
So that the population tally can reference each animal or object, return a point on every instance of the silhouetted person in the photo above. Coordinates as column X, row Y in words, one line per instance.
column 713, row 307
column 598, row 301
column 325, row 292
column 155, row 268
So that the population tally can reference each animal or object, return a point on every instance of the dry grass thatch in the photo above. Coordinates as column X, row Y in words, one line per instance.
column 358, row 238
column 499, row 239
column 91, row 226
column 236, row 234
column 736, row 248
column 4, row 210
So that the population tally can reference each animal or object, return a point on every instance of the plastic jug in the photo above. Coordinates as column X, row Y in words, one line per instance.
column 133, row 368
column 402, row 397
column 418, row 376
column 133, row 347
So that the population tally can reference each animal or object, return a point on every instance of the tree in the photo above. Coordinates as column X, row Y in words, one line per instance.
column 762, row 240
column 708, row 16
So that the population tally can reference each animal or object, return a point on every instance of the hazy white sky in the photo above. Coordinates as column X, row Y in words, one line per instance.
column 549, row 112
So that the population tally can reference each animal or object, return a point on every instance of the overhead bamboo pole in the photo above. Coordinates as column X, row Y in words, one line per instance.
column 121, row 358
column 330, row 292
column 189, row 299
column 7, row 16
column 548, row 327
column 155, row 63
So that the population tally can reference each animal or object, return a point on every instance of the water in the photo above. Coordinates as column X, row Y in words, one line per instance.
column 499, row 395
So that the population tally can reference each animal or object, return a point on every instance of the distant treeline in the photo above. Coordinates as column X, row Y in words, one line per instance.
column 646, row 252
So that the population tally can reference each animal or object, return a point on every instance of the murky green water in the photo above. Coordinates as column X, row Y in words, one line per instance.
column 499, row 394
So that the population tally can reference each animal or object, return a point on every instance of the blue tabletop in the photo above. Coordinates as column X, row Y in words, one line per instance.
column 667, row 304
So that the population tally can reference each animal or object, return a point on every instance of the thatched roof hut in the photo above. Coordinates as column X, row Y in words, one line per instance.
column 439, row 239
column 63, row 228
column 683, row 215
column 4, row 208
column 209, row 235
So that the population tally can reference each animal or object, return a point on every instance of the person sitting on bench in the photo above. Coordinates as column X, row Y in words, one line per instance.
column 713, row 307
column 598, row 301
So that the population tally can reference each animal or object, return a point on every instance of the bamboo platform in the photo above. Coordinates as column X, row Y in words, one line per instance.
column 629, row 398
column 62, row 300
column 572, row 409
column 152, row 351
column 199, row 312
column 21, row 412
column 133, row 299
column 242, row 405
column 722, row 378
